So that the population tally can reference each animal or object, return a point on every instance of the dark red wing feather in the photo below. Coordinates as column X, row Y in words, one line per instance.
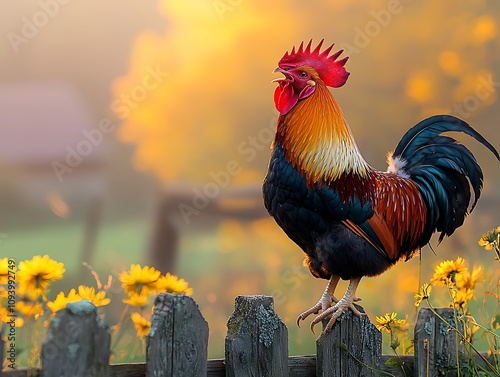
column 399, row 218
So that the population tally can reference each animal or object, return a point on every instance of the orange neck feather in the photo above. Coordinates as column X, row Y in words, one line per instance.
column 317, row 139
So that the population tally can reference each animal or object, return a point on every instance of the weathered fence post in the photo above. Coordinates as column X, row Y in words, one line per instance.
column 257, row 340
column 178, row 339
column 77, row 343
column 437, row 345
column 353, row 347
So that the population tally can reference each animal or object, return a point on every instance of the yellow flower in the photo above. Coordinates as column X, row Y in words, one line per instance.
column 4, row 317
column 26, row 294
column 3, row 314
column 466, row 280
column 141, row 324
column 461, row 297
column 5, row 267
column 491, row 240
column 37, row 274
column 448, row 271
column 389, row 321
column 88, row 293
column 172, row 284
column 136, row 300
column 19, row 322
column 29, row 308
column 139, row 280
column 61, row 300
column 423, row 294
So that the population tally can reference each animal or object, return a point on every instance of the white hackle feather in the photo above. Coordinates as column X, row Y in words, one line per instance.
column 396, row 165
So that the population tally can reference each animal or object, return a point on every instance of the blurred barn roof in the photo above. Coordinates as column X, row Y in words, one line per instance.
column 40, row 121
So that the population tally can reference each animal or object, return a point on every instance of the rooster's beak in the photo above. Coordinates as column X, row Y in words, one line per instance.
column 278, row 69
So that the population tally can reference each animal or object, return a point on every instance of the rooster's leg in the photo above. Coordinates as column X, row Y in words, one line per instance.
column 326, row 300
column 334, row 312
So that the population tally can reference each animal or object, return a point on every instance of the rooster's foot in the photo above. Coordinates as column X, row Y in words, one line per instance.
column 335, row 311
column 325, row 302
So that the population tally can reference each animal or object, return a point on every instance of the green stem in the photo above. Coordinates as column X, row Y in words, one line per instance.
column 455, row 319
column 394, row 349
column 473, row 320
column 117, row 333
column 419, row 279
column 401, row 361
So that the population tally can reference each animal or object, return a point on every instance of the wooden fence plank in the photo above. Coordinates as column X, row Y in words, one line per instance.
column 77, row 343
column 436, row 344
column 353, row 347
column 177, row 342
column 299, row 366
column 22, row 373
column 127, row 370
column 257, row 340
column 302, row 366
column 305, row 366
column 216, row 368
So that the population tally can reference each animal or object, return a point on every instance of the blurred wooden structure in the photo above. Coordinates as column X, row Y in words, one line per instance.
column 184, row 205
column 256, row 345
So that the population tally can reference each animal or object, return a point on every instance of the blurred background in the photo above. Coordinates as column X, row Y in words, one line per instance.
column 139, row 132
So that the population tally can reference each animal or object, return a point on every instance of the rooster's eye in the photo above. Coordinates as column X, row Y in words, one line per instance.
column 303, row 74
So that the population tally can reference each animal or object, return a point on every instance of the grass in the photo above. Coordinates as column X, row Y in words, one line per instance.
column 63, row 240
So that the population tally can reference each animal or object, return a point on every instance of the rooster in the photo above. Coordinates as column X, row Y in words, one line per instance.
column 350, row 219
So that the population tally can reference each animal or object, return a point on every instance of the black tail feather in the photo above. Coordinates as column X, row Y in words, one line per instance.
column 443, row 170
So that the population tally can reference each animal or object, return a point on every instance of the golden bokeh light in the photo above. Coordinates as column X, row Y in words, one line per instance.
column 420, row 87
column 485, row 29
column 450, row 63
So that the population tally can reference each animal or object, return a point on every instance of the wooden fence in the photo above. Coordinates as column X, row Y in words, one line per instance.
column 77, row 345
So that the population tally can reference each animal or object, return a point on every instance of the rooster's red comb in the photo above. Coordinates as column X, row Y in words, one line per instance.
column 331, row 71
